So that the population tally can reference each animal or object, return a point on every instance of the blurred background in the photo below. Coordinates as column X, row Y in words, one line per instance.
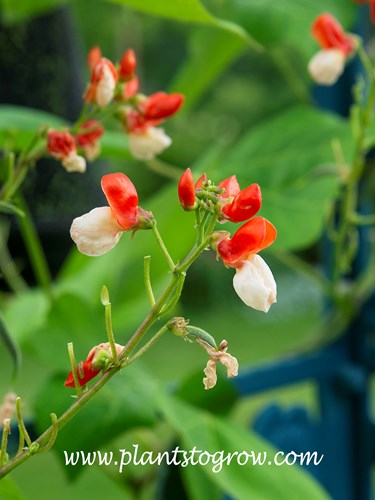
column 250, row 110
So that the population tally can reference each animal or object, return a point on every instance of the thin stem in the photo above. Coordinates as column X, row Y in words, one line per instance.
column 8, row 267
column 108, row 324
column 73, row 366
column 147, row 346
column 4, row 440
column 53, row 436
column 24, row 435
column 34, row 248
column 164, row 169
column 177, row 294
column 147, row 278
column 350, row 195
column 162, row 246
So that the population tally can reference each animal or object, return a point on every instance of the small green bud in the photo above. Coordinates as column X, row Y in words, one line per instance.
column 104, row 296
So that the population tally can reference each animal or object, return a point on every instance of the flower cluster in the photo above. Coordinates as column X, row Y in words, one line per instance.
column 98, row 231
column 328, row 64
column 139, row 115
column 253, row 281
column 63, row 145
column 99, row 358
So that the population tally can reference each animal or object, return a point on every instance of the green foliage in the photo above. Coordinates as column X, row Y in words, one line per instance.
column 212, row 434
column 23, row 9
column 126, row 402
column 9, row 490
column 291, row 158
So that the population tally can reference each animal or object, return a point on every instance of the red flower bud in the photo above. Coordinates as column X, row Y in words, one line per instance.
column 249, row 239
column 94, row 56
column 186, row 190
column 160, row 105
column 131, row 88
column 128, row 64
column 330, row 34
column 202, row 178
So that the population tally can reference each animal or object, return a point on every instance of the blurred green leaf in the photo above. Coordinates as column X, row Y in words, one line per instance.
column 20, row 124
column 209, row 433
column 210, row 53
column 189, row 11
column 21, row 10
column 70, row 319
column 287, row 23
column 10, row 344
column 9, row 490
column 291, row 158
column 198, row 486
column 26, row 313
column 127, row 401
column 115, row 146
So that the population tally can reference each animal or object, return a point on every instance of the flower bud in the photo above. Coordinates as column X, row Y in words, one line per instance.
column 186, row 190
column 127, row 65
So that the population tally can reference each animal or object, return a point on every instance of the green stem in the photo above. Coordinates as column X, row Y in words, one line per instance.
column 8, row 268
column 162, row 246
column 24, row 435
column 73, row 366
column 4, row 440
column 164, row 169
column 147, row 278
column 350, row 195
column 34, row 249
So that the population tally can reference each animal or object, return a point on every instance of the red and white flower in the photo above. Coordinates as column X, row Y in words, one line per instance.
column 145, row 139
column 97, row 359
column 328, row 64
column 61, row 145
column 88, row 138
column 103, row 79
column 98, row 231
column 253, row 281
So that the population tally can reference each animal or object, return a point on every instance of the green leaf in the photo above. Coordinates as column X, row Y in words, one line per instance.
column 21, row 123
column 70, row 319
column 287, row 23
column 11, row 346
column 115, row 146
column 20, row 10
column 291, row 158
column 9, row 490
column 198, row 486
column 126, row 402
column 189, row 11
column 210, row 53
column 214, row 435
column 26, row 313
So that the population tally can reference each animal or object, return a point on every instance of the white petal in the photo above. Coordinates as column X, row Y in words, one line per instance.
column 255, row 284
column 97, row 232
column 74, row 163
column 326, row 66
column 230, row 363
column 105, row 89
column 148, row 144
